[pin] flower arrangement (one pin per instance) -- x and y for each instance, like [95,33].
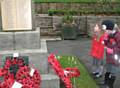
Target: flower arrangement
[15,71]
[64,74]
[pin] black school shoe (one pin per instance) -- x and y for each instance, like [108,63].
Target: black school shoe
[95,73]
[98,75]
[111,81]
[106,79]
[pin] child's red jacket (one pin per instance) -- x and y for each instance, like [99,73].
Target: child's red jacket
[97,47]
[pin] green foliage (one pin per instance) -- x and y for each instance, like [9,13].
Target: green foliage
[85,80]
[108,1]
[67,19]
[105,7]
[57,12]
[78,1]
[115,11]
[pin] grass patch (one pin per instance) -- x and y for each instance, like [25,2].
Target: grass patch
[85,80]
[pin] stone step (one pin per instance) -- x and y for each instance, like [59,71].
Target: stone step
[51,38]
[50,81]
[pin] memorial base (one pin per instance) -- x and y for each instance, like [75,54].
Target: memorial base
[28,43]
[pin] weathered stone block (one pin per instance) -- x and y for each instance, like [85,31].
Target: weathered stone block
[27,40]
[50,81]
[6,41]
[43,21]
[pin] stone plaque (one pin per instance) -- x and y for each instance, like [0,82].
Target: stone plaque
[16,15]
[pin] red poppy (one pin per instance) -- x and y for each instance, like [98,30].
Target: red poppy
[65,77]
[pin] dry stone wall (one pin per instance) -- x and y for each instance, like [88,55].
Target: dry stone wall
[84,24]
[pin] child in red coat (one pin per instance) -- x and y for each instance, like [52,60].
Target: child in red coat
[97,50]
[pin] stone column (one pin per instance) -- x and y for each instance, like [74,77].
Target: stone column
[0,18]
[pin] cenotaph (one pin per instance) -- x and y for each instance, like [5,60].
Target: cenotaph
[19,35]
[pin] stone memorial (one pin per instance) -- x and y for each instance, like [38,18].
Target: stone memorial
[16,15]
[18,36]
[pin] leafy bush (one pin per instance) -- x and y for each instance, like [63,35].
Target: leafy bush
[78,1]
[67,19]
[84,12]
[56,12]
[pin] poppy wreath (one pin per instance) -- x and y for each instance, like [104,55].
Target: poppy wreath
[8,71]
[13,61]
[12,64]
[64,74]
[72,72]
[7,83]
[23,76]
[55,64]
[8,79]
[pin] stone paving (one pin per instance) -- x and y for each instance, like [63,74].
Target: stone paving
[79,48]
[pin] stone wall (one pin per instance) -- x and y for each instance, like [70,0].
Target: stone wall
[45,23]
[84,24]
[92,20]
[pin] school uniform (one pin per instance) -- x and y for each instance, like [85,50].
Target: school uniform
[112,44]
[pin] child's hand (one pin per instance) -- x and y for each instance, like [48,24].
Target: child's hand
[109,50]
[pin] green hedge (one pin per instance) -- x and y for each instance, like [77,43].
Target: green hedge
[68,1]
[83,12]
